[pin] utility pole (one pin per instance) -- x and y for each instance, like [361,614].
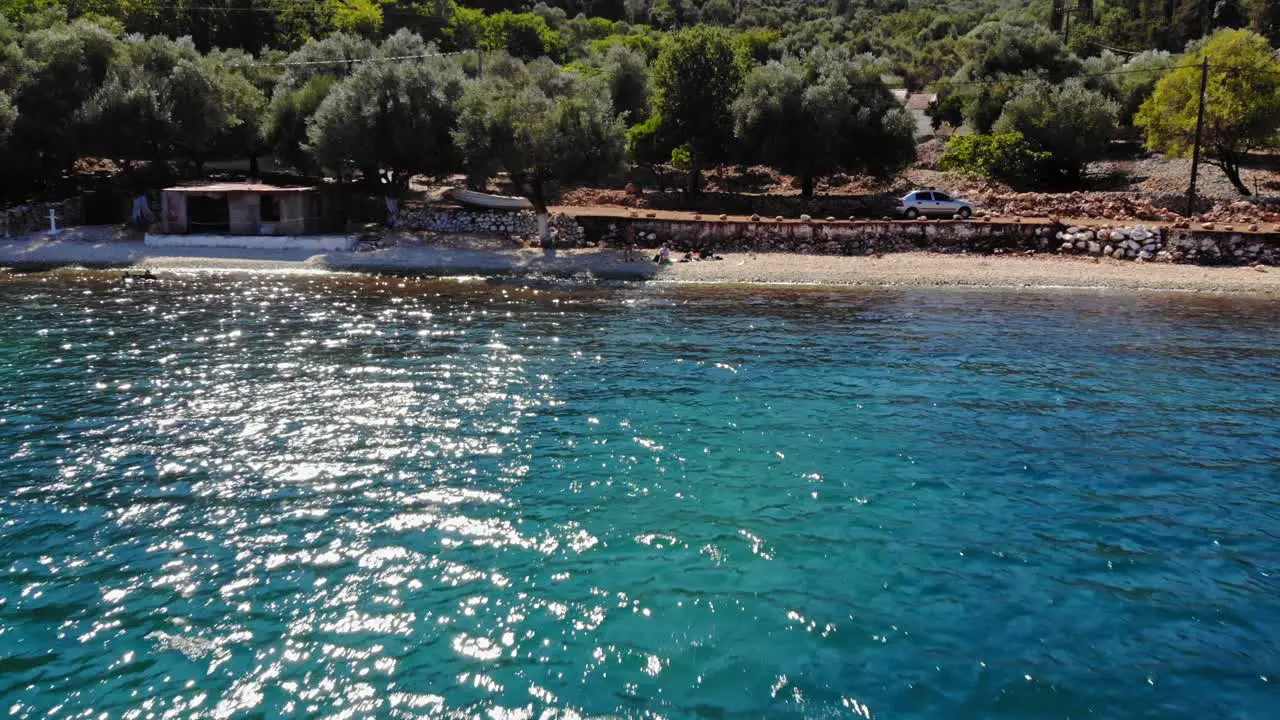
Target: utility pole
[1195,153]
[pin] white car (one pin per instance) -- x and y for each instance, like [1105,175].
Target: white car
[933,202]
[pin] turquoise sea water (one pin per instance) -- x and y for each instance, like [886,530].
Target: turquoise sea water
[320,496]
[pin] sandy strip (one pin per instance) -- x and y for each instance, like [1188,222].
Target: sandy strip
[902,269]
[937,270]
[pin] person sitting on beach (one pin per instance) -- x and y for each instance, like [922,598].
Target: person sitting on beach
[688,257]
[664,256]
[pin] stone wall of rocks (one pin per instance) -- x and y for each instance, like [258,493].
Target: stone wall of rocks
[824,237]
[1138,243]
[522,224]
[567,231]
[984,237]
[471,222]
[1220,248]
[22,219]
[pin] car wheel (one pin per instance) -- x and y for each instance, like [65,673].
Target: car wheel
[965,213]
[912,213]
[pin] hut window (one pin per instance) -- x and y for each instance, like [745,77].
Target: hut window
[269,210]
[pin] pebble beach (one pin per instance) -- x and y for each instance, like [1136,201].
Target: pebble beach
[898,269]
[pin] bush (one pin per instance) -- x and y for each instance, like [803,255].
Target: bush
[1006,157]
[1071,122]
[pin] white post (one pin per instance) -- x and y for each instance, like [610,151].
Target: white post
[543,222]
[53,222]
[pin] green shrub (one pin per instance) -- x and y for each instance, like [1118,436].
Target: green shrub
[1006,157]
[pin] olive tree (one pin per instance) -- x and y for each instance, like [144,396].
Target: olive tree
[1000,57]
[391,121]
[310,73]
[541,125]
[627,74]
[1069,121]
[203,103]
[825,114]
[696,79]
[62,67]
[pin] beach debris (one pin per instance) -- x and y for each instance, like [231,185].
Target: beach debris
[724,217]
[755,218]
[806,218]
[778,218]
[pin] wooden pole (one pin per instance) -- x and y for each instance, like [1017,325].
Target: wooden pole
[1195,153]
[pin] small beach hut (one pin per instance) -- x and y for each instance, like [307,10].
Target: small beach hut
[241,209]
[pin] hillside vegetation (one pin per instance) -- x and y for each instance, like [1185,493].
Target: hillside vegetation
[377,91]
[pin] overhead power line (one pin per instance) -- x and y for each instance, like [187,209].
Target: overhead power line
[350,61]
[1028,81]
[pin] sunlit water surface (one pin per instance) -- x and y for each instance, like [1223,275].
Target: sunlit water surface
[327,496]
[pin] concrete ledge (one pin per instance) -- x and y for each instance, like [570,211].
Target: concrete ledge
[310,243]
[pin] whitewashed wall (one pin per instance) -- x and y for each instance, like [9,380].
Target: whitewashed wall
[313,243]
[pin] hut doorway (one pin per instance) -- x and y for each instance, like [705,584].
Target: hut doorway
[208,214]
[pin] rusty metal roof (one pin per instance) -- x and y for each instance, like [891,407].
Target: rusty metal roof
[237,187]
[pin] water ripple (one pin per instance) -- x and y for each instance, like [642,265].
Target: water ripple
[336,496]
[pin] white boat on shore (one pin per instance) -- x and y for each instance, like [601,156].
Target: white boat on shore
[493,202]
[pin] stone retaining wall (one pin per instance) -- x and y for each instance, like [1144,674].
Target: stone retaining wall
[868,238]
[522,224]
[477,222]
[823,238]
[23,219]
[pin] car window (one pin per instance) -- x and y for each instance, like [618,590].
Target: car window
[942,197]
[924,196]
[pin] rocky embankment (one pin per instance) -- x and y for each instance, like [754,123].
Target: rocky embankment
[1174,245]
[829,237]
[1123,209]
[521,225]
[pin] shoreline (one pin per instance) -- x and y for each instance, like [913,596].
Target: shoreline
[909,269]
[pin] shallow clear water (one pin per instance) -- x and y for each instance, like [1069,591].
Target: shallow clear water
[320,496]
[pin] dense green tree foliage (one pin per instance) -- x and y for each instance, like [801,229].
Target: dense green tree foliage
[1127,81]
[541,125]
[1004,157]
[390,120]
[1242,103]
[1069,121]
[696,79]
[998,58]
[377,90]
[826,114]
